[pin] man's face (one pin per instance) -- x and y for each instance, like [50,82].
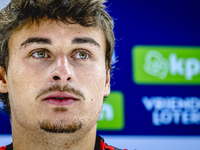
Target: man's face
[56,77]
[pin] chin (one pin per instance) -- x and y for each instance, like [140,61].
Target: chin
[60,127]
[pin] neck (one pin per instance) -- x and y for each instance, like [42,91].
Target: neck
[24,139]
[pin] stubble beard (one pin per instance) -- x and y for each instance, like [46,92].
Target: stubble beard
[60,127]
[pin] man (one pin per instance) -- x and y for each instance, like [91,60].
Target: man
[55,58]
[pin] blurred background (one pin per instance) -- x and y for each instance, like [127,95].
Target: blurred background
[155,98]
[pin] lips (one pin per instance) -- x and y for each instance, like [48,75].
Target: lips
[60,99]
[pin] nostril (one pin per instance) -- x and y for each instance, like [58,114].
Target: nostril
[56,77]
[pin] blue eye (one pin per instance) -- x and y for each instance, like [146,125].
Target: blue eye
[40,54]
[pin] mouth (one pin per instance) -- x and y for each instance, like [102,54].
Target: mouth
[60,99]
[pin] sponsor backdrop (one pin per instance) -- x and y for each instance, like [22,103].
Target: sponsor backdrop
[155,98]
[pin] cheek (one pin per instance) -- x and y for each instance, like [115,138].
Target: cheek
[21,89]
[16,77]
[93,84]
[92,78]
[21,80]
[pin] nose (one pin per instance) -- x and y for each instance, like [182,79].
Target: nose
[61,70]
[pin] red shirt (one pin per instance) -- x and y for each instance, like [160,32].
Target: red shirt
[3,148]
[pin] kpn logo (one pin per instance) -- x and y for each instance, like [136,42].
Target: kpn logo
[112,115]
[166,65]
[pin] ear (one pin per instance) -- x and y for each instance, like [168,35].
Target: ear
[107,84]
[3,81]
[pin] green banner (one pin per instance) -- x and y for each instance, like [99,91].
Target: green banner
[166,64]
[112,115]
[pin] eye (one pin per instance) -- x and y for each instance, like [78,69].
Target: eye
[81,55]
[40,54]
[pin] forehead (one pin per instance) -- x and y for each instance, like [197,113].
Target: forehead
[57,31]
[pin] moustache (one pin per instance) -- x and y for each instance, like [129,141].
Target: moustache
[58,88]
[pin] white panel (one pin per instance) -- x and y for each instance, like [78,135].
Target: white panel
[5,140]
[142,142]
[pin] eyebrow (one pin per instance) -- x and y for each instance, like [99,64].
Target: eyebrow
[84,40]
[38,40]
[76,40]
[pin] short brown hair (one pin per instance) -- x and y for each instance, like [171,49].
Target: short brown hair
[88,13]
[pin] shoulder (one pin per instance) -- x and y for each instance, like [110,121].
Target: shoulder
[3,147]
[101,145]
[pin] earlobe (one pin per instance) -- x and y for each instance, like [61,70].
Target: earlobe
[107,84]
[3,81]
